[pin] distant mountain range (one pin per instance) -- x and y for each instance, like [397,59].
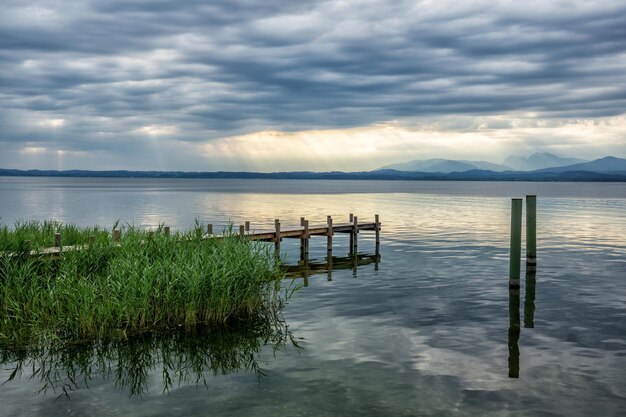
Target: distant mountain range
[604,169]
[606,164]
[446,165]
[538,160]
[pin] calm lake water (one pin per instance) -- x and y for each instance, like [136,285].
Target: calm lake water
[430,331]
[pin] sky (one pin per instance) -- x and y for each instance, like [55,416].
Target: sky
[200,85]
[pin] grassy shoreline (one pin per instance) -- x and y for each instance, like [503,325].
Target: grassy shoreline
[145,282]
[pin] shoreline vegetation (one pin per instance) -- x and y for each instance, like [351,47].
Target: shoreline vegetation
[146,282]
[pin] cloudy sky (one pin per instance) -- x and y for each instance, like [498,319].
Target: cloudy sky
[298,85]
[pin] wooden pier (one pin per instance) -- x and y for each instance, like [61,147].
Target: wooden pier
[304,232]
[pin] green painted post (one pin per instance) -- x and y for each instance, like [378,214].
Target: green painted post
[529,299]
[531,232]
[516,242]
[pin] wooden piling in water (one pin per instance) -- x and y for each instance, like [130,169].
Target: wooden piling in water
[329,237]
[377,227]
[302,240]
[529,299]
[355,233]
[351,220]
[116,235]
[247,224]
[306,240]
[209,229]
[277,238]
[531,232]
[57,240]
[516,242]
[242,230]
[166,230]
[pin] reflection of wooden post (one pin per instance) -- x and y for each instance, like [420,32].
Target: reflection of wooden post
[329,237]
[516,242]
[277,238]
[57,240]
[529,300]
[329,265]
[514,332]
[531,232]
[116,235]
[247,226]
[209,229]
[166,229]
[305,274]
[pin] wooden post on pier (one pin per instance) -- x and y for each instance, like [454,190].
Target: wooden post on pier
[306,240]
[116,235]
[516,242]
[377,227]
[351,219]
[247,226]
[57,240]
[329,237]
[166,229]
[302,240]
[531,232]
[209,229]
[277,238]
[355,233]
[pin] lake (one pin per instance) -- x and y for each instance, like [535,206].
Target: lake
[432,330]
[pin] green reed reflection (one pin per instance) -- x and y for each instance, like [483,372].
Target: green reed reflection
[182,356]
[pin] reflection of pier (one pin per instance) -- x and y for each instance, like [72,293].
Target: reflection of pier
[305,268]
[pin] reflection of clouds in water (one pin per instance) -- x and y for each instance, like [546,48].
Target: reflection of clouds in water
[377,340]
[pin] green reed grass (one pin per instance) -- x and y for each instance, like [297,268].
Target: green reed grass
[146,281]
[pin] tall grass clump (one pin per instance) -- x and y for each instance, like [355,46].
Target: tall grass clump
[147,281]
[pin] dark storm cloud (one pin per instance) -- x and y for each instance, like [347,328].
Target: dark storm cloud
[107,69]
